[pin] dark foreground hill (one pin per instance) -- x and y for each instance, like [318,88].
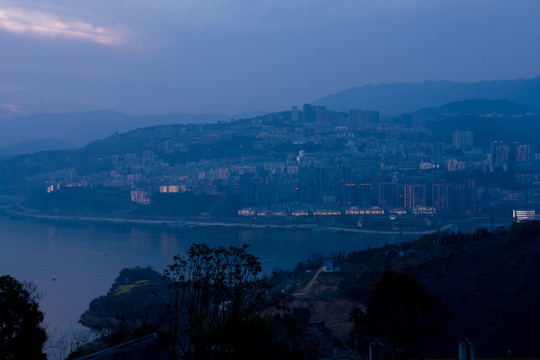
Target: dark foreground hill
[489,281]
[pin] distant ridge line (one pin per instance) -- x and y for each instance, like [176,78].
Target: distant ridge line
[397,98]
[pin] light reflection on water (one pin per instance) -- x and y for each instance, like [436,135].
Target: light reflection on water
[74,263]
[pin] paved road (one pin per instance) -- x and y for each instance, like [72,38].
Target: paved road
[306,289]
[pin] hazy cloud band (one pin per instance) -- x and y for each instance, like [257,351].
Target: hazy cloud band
[10,107]
[42,24]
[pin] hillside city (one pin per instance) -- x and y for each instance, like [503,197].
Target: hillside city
[308,164]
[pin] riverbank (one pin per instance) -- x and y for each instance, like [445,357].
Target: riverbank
[230,223]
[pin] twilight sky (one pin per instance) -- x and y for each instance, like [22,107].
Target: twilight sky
[229,56]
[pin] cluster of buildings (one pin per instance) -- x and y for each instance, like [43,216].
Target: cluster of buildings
[315,162]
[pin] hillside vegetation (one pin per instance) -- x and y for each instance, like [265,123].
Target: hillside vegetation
[489,280]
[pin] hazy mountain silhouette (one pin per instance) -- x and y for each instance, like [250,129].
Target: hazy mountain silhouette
[476,107]
[84,127]
[249,114]
[33,146]
[488,119]
[399,98]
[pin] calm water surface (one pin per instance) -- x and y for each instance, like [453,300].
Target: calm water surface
[74,263]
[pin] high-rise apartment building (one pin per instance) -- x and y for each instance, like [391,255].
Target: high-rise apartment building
[309,113]
[388,195]
[462,138]
[523,152]
[294,113]
[500,152]
[414,195]
[440,195]
[360,118]
[320,115]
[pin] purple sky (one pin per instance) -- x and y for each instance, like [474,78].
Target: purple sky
[229,56]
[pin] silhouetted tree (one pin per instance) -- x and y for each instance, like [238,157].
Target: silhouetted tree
[21,334]
[215,293]
[401,313]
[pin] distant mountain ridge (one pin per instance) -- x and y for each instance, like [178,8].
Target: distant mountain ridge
[476,107]
[433,98]
[489,120]
[83,127]
[397,98]
[33,146]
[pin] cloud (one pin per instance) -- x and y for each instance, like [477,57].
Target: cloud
[7,88]
[44,24]
[10,107]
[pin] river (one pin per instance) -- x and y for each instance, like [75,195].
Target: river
[72,263]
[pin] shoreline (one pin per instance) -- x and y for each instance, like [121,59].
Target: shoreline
[180,224]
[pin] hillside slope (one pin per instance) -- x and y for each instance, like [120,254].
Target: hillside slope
[489,280]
